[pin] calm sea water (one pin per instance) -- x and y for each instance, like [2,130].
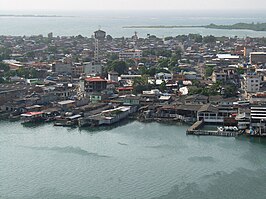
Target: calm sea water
[134,160]
[85,23]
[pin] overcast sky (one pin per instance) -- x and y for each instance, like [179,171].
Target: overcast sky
[132,5]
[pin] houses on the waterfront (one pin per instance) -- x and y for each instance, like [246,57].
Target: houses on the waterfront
[102,80]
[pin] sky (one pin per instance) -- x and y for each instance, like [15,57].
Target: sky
[132,5]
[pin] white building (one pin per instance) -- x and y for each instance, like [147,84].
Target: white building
[130,54]
[251,83]
[113,76]
[164,76]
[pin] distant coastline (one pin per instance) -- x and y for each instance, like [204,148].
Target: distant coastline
[237,26]
[13,15]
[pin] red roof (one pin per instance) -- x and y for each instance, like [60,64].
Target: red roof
[32,113]
[95,79]
[125,88]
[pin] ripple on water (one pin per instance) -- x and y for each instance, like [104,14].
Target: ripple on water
[202,159]
[68,149]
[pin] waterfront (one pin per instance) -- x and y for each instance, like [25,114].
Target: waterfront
[133,160]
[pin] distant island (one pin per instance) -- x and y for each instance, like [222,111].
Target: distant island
[242,26]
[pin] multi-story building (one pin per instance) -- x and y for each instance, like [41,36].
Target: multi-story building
[130,54]
[91,68]
[258,118]
[251,83]
[77,70]
[60,68]
[219,76]
[95,84]
[257,57]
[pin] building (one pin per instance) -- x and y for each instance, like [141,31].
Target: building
[113,76]
[257,57]
[219,76]
[209,113]
[66,105]
[100,34]
[95,84]
[258,119]
[163,76]
[77,70]
[251,83]
[92,69]
[191,75]
[60,68]
[196,99]
[130,54]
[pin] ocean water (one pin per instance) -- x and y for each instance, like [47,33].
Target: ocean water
[132,160]
[85,23]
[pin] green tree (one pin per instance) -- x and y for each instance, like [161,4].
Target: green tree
[4,67]
[209,39]
[163,86]
[230,90]
[119,66]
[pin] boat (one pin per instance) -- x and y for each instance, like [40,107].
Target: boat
[220,128]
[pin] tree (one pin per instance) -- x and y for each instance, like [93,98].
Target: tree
[230,90]
[209,71]
[163,86]
[140,84]
[4,67]
[112,56]
[209,39]
[109,38]
[130,62]
[119,66]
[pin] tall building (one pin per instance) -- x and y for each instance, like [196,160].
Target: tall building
[99,37]
[251,83]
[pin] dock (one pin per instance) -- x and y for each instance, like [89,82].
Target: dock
[195,130]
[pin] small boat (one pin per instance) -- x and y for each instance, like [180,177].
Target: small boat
[235,128]
[220,128]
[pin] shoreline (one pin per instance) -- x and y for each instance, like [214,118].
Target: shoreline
[237,26]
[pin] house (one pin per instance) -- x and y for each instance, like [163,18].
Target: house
[130,54]
[97,97]
[163,76]
[210,114]
[191,75]
[130,100]
[66,105]
[196,99]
